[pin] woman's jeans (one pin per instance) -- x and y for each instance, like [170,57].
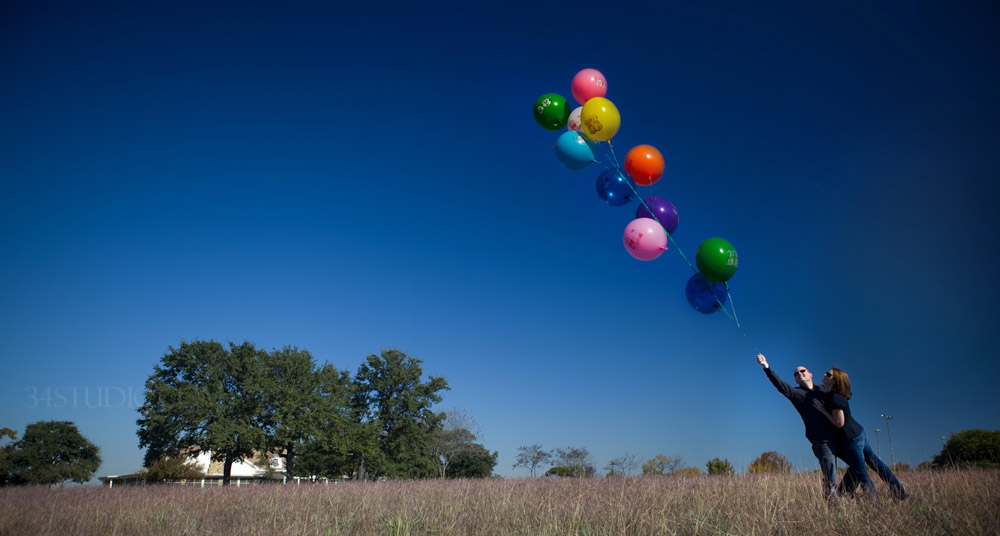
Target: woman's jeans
[848,485]
[853,453]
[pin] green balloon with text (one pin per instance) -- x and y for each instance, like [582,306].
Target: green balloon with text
[552,111]
[716,259]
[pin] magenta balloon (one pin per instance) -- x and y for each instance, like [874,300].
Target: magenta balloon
[645,239]
[587,84]
[663,209]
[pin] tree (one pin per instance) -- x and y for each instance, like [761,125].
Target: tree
[770,462]
[455,438]
[971,448]
[296,404]
[6,477]
[689,471]
[622,465]
[661,465]
[563,471]
[51,452]
[900,467]
[715,466]
[389,396]
[203,397]
[474,461]
[171,468]
[339,441]
[531,456]
[577,459]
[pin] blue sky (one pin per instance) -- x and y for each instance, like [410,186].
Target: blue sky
[349,179]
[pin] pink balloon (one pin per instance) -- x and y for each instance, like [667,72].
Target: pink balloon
[645,239]
[587,84]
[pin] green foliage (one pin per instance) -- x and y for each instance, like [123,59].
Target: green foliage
[337,443]
[302,402]
[455,441]
[473,461]
[770,462]
[971,448]
[6,476]
[578,459]
[661,465]
[900,467]
[563,471]
[238,400]
[717,466]
[689,471]
[531,456]
[621,466]
[171,468]
[51,452]
[203,397]
[389,397]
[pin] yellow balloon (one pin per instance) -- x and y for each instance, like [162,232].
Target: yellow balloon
[599,119]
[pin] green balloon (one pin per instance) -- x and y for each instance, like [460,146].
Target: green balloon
[716,259]
[551,111]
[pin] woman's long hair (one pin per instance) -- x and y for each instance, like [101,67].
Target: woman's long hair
[841,383]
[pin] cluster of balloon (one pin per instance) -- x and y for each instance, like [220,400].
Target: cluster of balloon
[597,120]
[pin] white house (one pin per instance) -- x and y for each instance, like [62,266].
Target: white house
[248,471]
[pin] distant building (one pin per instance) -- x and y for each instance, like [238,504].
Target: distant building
[267,468]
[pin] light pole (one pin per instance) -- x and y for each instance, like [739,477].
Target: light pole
[878,449]
[889,433]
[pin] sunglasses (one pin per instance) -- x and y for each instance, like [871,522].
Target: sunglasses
[827,375]
[802,371]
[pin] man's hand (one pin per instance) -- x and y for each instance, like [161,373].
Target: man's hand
[762,361]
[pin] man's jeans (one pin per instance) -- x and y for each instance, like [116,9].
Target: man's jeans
[827,465]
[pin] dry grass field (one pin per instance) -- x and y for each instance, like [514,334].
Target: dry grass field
[946,503]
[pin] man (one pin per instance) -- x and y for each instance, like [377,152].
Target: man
[807,399]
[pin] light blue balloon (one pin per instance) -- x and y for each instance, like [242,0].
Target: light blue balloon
[573,151]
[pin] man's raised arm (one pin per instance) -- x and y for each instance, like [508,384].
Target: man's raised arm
[779,384]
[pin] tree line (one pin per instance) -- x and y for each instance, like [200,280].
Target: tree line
[239,400]
[967,449]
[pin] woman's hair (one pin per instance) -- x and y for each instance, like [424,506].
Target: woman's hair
[841,383]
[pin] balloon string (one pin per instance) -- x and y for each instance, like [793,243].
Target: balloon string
[610,155]
[677,247]
[732,304]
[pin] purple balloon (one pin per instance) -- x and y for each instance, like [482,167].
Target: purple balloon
[660,209]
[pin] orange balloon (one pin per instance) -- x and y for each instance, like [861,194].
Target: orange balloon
[644,164]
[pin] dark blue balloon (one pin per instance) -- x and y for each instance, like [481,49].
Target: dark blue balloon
[661,210]
[615,187]
[702,294]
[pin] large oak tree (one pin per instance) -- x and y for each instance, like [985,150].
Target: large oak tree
[204,397]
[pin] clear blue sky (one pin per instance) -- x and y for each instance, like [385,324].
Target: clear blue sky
[351,179]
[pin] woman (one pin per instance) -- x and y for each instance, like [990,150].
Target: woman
[853,441]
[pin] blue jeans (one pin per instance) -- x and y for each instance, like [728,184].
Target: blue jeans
[827,465]
[848,484]
[853,453]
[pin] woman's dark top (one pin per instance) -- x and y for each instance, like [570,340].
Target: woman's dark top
[852,428]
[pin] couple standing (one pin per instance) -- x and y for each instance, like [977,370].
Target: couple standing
[833,432]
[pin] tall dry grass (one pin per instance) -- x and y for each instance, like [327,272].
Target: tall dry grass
[961,502]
